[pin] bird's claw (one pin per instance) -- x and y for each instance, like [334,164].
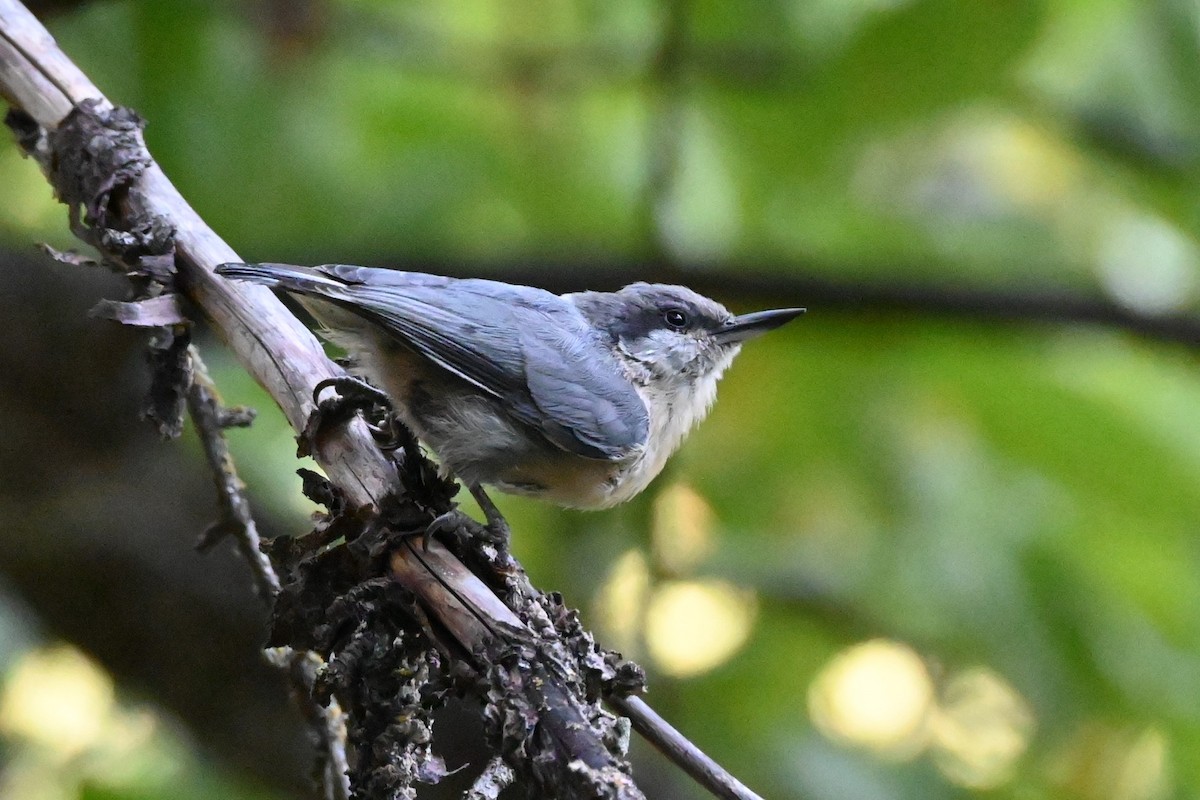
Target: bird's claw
[491,539]
[353,395]
[448,523]
[353,391]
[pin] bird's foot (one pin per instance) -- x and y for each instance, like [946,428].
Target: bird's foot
[475,543]
[353,395]
[448,523]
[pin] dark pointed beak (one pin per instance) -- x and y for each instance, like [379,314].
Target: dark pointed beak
[747,326]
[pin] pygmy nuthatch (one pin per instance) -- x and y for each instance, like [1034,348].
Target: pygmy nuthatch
[578,399]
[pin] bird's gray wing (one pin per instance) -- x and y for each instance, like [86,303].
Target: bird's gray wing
[528,348]
[578,386]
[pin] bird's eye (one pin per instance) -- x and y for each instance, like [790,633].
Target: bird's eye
[675,318]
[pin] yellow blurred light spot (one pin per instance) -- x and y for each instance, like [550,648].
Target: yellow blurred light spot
[621,599]
[58,699]
[1105,763]
[1027,165]
[982,727]
[694,626]
[30,778]
[682,529]
[876,695]
[1144,773]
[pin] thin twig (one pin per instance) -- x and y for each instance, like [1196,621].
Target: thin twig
[678,749]
[211,419]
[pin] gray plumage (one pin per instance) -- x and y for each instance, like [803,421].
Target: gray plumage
[578,398]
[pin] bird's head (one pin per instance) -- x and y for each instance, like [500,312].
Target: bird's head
[672,335]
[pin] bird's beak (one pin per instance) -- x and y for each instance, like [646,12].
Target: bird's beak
[747,326]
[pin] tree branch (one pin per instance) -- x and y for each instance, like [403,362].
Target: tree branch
[676,747]
[211,418]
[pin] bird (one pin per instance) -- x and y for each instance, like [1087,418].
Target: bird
[577,399]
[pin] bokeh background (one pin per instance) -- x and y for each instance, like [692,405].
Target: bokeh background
[937,540]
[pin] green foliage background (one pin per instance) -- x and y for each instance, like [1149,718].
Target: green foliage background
[1018,498]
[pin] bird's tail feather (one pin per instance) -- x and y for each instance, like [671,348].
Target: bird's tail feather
[303,280]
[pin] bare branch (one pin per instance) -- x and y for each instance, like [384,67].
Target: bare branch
[680,750]
[211,419]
